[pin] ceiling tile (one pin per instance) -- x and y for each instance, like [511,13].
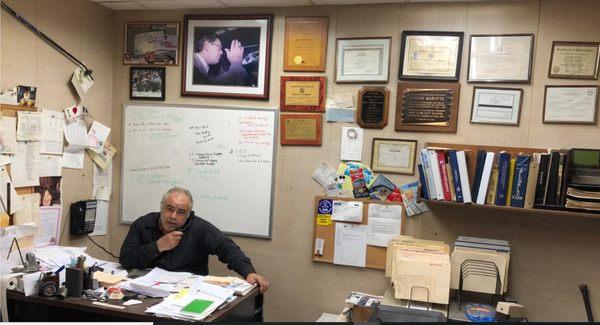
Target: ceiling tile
[180,4]
[352,2]
[122,5]
[267,3]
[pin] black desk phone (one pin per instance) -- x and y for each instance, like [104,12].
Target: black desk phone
[83,217]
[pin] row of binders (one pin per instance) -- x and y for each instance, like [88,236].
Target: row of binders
[555,179]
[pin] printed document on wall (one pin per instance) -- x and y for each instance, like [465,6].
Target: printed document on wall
[25,166]
[352,143]
[8,135]
[76,133]
[30,213]
[29,126]
[53,124]
[73,157]
[102,183]
[350,244]
[49,226]
[384,223]
[101,219]
[50,165]
[350,211]
[97,136]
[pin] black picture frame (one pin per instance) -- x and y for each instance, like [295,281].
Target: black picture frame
[143,83]
[403,75]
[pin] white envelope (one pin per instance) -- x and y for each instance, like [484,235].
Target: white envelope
[350,211]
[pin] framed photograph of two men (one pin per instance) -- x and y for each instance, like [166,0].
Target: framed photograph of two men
[227,56]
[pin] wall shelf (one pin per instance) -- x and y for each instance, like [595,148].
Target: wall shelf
[508,209]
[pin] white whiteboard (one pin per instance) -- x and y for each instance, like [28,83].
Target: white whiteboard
[224,156]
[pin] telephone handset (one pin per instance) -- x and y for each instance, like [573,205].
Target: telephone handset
[83,217]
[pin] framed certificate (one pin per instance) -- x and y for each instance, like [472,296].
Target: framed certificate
[571,104]
[396,156]
[362,59]
[305,46]
[302,94]
[500,58]
[430,55]
[301,129]
[496,105]
[427,106]
[574,60]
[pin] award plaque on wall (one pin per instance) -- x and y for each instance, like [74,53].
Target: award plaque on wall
[305,44]
[373,103]
[427,107]
[301,129]
[574,60]
[302,94]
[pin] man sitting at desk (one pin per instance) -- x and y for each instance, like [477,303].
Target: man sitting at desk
[177,240]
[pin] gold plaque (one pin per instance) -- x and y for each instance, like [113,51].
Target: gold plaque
[305,43]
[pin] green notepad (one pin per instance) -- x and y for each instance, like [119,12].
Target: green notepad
[197,306]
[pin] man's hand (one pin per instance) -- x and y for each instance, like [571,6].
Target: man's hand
[169,241]
[263,284]
[235,53]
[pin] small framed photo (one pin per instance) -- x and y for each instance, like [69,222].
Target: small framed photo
[147,83]
[227,56]
[305,45]
[151,43]
[574,60]
[363,59]
[496,105]
[500,58]
[302,94]
[396,156]
[571,104]
[430,55]
[301,129]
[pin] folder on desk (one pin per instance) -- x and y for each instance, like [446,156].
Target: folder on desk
[410,241]
[420,270]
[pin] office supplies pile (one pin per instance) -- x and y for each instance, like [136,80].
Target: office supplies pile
[187,296]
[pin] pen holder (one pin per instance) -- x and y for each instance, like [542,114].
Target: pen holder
[74,282]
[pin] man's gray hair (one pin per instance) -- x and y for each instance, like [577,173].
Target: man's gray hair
[177,189]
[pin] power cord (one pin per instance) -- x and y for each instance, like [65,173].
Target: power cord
[104,249]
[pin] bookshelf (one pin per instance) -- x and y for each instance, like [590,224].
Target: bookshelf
[471,165]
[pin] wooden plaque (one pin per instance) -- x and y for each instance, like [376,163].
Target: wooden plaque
[301,129]
[427,106]
[302,94]
[373,106]
[305,46]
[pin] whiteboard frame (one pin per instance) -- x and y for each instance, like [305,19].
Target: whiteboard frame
[236,108]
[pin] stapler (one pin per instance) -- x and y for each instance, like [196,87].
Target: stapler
[510,311]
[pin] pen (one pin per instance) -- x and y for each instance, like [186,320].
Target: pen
[59,270]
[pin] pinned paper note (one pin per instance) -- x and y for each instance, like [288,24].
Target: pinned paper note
[104,157]
[53,124]
[14,199]
[25,165]
[324,175]
[319,246]
[323,219]
[97,136]
[350,211]
[73,113]
[350,244]
[73,157]
[352,143]
[81,81]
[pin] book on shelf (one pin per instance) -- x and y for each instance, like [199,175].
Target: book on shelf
[457,183]
[540,188]
[564,183]
[511,175]
[478,172]
[551,179]
[464,176]
[436,175]
[492,187]
[503,175]
[441,159]
[534,168]
[518,192]
[451,181]
[423,181]
[485,177]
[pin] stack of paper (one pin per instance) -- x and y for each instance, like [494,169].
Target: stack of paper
[239,286]
[419,269]
[157,283]
[195,303]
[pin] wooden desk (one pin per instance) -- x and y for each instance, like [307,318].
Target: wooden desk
[37,309]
